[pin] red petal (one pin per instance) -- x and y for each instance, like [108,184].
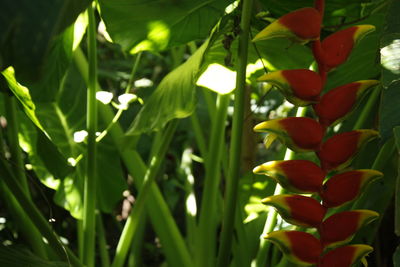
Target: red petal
[338,46]
[297,209]
[339,101]
[305,23]
[301,176]
[344,256]
[306,133]
[345,187]
[338,151]
[306,84]
[300,247]
[341,227]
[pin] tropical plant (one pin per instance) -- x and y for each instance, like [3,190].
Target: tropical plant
[127,133]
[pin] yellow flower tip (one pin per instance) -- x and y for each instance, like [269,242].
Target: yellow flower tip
[362,30]
[266,125]
[263,168]
[275,29]
[365,84]
[367,216]
[367,135]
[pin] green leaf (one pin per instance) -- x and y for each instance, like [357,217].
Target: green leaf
[27,29]
[17,256]
[396,132]
[173,98]
[160,24]
[390,56]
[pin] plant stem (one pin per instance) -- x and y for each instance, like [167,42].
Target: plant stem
[261,259]
[236,140]
[34,214]
[162,220]
[105,258]
[16,155]
[367,108]
[89,206]
[208,218]
[137,211]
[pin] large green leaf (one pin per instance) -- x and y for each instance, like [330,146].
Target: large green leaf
[27,29]
[173,98]
[17,256]
[396,257]
[390,57]
[157,25]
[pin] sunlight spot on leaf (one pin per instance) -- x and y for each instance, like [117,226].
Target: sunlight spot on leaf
[191,205]
[80,29]
[103,31]
[218,79]
[104,97]
[390,56]
[80,136]
[72,162]
[230,8]
[144,82]
[253,67]
[157,37]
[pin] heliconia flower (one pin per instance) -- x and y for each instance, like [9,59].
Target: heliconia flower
[301,248]
[301,87]
[301,25]
[345,256]
[298,133]
[297,209]
[338,102]
[340,228]
[300,176]
[345,187]
[338,151]
[338,46]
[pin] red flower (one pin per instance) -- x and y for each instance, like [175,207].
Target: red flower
[345,187]
[300,176]
[299,134]
[338,151]
[299,247]
[301,26]
[298,210]
[345,256]
[341,227]
[338,46]
[301,87]
[338,102]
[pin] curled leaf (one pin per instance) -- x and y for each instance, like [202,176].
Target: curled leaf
[341,227]
[301,87]
[338,46]
[345,187]
[297,209]
[338,102]
[345,256]
[339,150]
[301,25]
[300,176]
[297,133]
[301,248]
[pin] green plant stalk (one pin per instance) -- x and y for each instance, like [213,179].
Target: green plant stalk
[208,220]
[236,140]
[89,205]
[262,254]
[34,214]
[198,134]
[135,258]
[27,228]
[137,211]
[162,220]
[362,118]
[16,155]
[105,258]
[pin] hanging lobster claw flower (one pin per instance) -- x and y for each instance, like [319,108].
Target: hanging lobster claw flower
[334,105]
[345,187]
[340,228]
[338,46]
[345,256]
[338,151]
[299,176]
[297,209]
[301,248]
[297,133]
[301,25]
[300,87]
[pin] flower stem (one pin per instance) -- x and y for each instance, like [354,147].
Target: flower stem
[236,140]
[89,206]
